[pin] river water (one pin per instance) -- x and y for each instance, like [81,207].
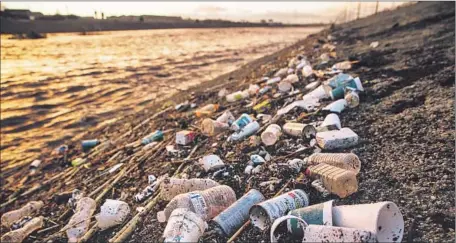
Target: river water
[54,88]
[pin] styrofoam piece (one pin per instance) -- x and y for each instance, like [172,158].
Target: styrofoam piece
[320,214]
[264,213]
[233,217]
[320,233]
[337,139]
[382,218]
[184,226]
[211,162]
[112,213]
[331,120]
[271,135]
[337,106]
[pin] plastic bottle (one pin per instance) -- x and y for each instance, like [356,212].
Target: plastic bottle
[172,187]
[79,222]
[30,208]
[248,130]
[20,234]
[347,161]
[184,226]
[338,181]
[155,136]
[206,204]
[207,110]
[239,95]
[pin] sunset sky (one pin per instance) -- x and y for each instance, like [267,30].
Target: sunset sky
[287,12]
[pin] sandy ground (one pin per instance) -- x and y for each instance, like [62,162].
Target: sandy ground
[405,122]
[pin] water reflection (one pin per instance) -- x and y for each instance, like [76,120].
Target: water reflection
[52,89]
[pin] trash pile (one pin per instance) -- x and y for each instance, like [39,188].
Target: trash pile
[269,153]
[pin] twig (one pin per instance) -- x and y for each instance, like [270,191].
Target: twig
[48,229]
[89,233]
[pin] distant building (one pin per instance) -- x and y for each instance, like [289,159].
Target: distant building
[147,18]
[20,14]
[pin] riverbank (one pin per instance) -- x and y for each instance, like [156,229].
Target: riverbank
[405,122]
[92,26]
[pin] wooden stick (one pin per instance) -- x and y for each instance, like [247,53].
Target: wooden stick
[240,230]
[47,229]
[89,233]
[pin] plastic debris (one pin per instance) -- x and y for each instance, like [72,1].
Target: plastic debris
[248,130]
[112,213]
[206,204]
[264,213]
[336,180]
[79,222]
[337,139]
[19,235]
[211,162]
[155,136]
[27,210]
[233,217]
[185,137]
[271,135]
[347,161]
[184,226]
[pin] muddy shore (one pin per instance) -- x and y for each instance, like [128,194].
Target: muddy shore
[405,121]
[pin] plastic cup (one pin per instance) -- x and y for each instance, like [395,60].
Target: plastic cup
[233,217]
[320,233]
[337,93]
[331,120]
[337,106]
[184,226]
[319,214]
[271,134]
[382,218]
[264,213]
